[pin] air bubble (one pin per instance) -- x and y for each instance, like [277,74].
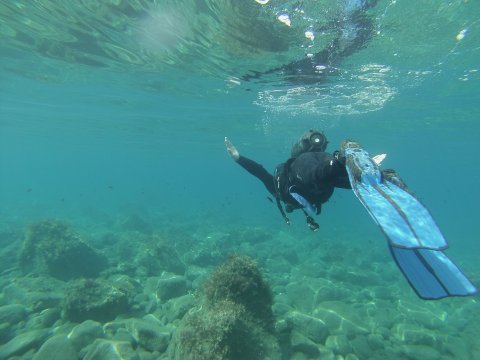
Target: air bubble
[309,35]
[284,18]
[461,35]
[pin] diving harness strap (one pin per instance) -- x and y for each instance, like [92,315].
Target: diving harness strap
[310,221]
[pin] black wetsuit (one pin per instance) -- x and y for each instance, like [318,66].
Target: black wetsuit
[313,175]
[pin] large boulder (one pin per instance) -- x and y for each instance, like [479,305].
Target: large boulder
[103,349]
[240,281]
[98,300]
[58,347]
[23,343]
[232,319]
[52,247]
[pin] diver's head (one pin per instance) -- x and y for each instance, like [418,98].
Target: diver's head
[318,140]
[312,140]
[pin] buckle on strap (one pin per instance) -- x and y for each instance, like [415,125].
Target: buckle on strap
[279,205]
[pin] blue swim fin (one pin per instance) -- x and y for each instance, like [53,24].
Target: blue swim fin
[431,273]
[414,238]
[403,219]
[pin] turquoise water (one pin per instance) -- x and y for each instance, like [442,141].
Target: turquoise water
[112,119]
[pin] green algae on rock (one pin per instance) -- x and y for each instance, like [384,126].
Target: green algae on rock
[233,318]
[52,247]
[239,280]
[98,300]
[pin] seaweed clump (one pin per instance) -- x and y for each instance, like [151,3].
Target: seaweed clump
[240,281]
[233,318]
[52,247]
[88,299]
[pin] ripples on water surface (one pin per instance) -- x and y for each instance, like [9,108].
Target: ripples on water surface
[324,57]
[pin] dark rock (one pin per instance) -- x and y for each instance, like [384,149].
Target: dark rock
[85,334]
[300,343]
[283,326]
[50,316]
[339,344]
[111,328]
[458,348]
[58,347]
[111,350]
[52,247]
[150,336]
[313,328]
[325,353]
[5,332]
[36,293]
[376,341]
[176,308]
[280,308]
[13,313]
[420,352]
[171,286]
[196,275]
[124,335]
[361,347]
[299,356]
[341,318]
[97,300]
[44,319]
[415,334]
[352,357]
[23,343]
[332,292]
[300,295]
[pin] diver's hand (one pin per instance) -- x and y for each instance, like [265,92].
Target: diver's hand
[232,150]
[339,156]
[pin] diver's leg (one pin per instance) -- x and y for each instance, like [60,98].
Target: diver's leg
[258,171]
[251,166]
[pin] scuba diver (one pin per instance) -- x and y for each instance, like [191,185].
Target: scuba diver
[306,180]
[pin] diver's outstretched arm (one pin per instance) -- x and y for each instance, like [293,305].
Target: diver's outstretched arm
[232,150]
[251,166]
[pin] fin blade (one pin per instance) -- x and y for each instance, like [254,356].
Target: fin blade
[402,218]
[431,273]
[418,217]
[391,222]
